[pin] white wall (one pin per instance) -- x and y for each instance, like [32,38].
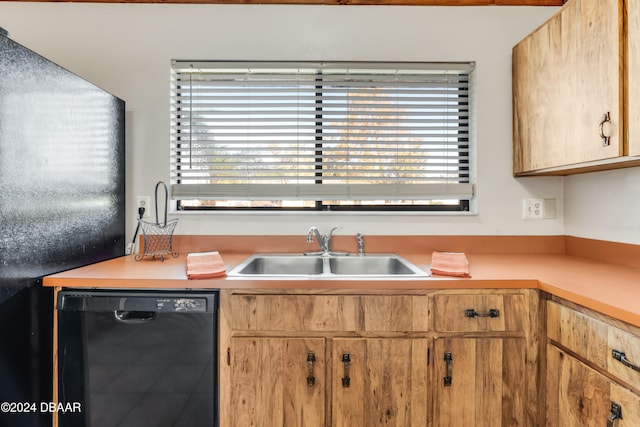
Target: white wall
[127,48]
[604,205]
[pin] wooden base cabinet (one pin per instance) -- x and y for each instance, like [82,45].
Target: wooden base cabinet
[281,382]
[579,396]
[479,382]
[295,358]
[485,358]
[379,382]
[593,376]
[277,381]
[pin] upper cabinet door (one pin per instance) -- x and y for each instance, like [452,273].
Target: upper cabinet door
[592,46]
[537,86]
[566,79]
[633,74]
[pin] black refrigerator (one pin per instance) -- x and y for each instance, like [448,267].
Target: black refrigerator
[61,207]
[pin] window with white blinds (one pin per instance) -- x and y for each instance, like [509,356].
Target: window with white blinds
[321,135]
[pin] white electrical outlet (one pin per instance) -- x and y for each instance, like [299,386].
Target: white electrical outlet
[533,209]
[143,202]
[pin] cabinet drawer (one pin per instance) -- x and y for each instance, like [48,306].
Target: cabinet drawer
[604,345]
[579,396]
[323,313]
[479,312]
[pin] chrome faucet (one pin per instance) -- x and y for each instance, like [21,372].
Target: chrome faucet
[323,240]
[327,238]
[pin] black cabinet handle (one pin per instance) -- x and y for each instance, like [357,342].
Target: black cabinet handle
[311,378]
[448,360]
[471,313]
[346,360]
[616,414]
[621,357]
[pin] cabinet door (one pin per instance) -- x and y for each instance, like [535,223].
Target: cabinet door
[537,85]
[479,382]
[578,396]
[384,382]
[270,385]
[633,74]
[566,78]
[592,48]
[602,345]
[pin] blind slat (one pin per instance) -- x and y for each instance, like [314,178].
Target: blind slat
[313,191]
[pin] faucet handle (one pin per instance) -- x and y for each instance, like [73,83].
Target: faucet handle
[310,234]
[328,235]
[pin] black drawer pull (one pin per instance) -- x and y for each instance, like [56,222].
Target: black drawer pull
[346,359]
[622,358]
[448,360]
[616,414]
[311,378]
[471,313]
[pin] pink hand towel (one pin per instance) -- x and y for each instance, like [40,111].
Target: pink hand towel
[450,264]
[205,265]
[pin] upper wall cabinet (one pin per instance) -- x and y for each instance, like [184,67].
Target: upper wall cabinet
[633,73]
[570,92]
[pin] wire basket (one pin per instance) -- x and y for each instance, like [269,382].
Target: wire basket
[157,239]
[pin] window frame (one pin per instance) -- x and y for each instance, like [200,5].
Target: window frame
[462,205]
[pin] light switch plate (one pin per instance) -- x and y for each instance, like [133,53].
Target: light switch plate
[549,209]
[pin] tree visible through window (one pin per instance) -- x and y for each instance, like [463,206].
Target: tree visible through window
[321,135]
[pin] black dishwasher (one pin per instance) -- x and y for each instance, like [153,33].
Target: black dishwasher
[136,358]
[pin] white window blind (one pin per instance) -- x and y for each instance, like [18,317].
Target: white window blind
[320,131]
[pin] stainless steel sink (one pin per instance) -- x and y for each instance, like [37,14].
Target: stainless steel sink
[280,265]
[373,265]
[326,267]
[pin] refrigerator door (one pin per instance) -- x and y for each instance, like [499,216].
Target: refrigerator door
[61,206]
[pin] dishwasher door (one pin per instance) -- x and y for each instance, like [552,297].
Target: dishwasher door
[137,359]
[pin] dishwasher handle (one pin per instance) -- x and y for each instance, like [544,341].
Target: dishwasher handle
[134,317]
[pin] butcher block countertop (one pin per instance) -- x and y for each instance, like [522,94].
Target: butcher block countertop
[602,276]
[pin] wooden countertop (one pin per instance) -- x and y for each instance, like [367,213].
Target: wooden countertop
[609,288]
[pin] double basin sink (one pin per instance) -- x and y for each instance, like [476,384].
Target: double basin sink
[327,266]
